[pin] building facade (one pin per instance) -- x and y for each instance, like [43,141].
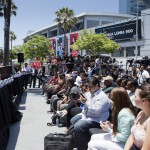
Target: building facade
[120,28]
[124,34]
[85,21]
[130,6]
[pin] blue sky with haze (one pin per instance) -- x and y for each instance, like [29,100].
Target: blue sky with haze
[36,14]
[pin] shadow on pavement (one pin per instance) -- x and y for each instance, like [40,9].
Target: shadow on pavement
[23,98]
[15,127]
[14,130]
[35,91]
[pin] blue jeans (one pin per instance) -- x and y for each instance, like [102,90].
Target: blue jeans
[81,131]
[75,118]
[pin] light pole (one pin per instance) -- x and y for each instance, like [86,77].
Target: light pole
[136,38]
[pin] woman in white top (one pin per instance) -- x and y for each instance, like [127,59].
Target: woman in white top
[138,131]
[146,144]
[123,118]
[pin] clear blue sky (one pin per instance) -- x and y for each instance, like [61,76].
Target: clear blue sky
[36,14]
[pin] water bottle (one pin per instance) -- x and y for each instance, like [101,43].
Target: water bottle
[57,121]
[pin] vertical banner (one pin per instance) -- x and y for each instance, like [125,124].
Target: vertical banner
[73,38]
[37,64]
[53,45]
[65,45]
[59,51]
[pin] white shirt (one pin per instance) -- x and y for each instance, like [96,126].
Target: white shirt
[98,61]
[96,107]
[132,97]
[142,76]
[26,69]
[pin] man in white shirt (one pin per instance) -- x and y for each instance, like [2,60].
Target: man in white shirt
[27,70]
[131,87]
[142,75]
[98,63]
[96,109]
[33,76]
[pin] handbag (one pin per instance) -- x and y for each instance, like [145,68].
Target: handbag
[58,141]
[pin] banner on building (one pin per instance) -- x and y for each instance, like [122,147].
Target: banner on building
[73,38]
[53,45]
[122,32]
[59,50]
[65,45]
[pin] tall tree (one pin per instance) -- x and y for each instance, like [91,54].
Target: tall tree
[7,9]
[37,47]
[66,20]
[95,43]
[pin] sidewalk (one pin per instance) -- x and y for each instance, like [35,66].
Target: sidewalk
[29,133]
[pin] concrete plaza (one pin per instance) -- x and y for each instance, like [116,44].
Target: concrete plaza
[29,133]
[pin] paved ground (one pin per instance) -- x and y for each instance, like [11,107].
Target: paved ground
[28,134]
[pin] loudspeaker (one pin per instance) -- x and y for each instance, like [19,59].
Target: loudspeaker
[20,57]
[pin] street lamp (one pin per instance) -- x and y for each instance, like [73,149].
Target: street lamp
[136,38]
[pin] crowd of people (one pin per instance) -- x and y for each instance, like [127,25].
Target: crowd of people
[93,93]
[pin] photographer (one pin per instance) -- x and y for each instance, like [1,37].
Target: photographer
[142,75]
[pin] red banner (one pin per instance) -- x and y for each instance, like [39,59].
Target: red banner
[36,64]
[73,38]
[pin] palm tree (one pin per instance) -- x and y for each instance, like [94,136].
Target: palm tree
[7,9]
[12,37]
[66,20]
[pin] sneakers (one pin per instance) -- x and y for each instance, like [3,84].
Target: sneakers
[44,95]
[48,101]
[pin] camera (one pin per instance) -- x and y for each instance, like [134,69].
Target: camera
[130,61]
[145,60]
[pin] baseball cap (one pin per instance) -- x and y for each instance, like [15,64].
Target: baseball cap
[108,78]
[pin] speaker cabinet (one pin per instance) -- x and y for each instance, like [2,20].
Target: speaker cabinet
[20,57]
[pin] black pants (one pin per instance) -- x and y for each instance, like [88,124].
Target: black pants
[26,80]
[72,110]
[33,79]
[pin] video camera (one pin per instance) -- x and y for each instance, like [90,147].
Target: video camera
[145,60]
[130,61]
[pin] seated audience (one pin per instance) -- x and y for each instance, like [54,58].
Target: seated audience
[123,118]
[73,89]
[138,131]
[96,109]
[142,75]
[146,144]
[131,87]
[124,83]
[108,84]
[118,81]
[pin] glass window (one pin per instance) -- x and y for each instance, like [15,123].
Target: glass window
[130,51]
[118,53]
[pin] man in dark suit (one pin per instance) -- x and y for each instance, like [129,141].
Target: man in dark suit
[33,76]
